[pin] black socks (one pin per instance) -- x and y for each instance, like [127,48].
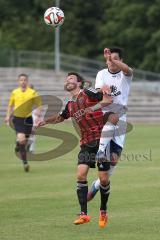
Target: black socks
[22,152]
[82,190]
[104,191]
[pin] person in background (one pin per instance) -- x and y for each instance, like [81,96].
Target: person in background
[21,104]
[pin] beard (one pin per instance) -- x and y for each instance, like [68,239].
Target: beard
[70,87]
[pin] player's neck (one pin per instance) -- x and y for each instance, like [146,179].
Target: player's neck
[23,89]
[75,92]
[113,71]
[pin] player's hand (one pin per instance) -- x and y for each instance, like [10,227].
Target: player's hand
[107,54]
[106,89]
[37,120]
[6,120]
[88,110]
[106,100]
[40,123]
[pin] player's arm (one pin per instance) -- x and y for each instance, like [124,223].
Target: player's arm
[121,65]
[99,96]
[10,108]
[124,67]
[99,84]
[56,118]
[9,114]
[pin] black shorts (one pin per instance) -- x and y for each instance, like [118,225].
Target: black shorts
[87,155]
[115,148]
[23,125]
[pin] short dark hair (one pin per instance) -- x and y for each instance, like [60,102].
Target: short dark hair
[23,75]
[117,50]
[79,78]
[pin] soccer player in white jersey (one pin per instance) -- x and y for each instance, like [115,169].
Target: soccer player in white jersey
[118,76]
[37,114]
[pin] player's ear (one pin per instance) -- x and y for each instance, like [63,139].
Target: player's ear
[80,84]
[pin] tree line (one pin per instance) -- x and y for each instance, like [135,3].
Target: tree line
[90,25]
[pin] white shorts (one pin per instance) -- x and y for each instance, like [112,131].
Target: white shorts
[120,131]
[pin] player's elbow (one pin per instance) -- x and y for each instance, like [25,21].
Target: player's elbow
[128,71]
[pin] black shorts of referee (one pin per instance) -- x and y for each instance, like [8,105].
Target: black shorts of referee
[23,125]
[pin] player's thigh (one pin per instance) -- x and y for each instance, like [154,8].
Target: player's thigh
[115,152]
[114,158]
[82,171]
[120,132]
[87,154]
[119,138]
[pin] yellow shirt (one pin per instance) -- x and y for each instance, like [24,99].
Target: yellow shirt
[23,102]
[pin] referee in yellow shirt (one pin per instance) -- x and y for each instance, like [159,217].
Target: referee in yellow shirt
[22,101]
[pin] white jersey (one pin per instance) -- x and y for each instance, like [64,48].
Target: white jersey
[119,84]
[42,114]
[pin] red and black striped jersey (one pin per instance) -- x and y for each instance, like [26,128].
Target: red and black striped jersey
[89,123]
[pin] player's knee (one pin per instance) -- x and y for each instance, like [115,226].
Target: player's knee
[104,181]
[113,118]
[114,159]
[81,177]
[22,141]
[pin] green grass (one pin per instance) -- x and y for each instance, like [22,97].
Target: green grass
[41,204]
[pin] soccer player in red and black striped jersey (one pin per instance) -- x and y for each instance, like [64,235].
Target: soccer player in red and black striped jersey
[90,124]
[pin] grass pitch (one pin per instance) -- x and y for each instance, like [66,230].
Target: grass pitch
[42,204]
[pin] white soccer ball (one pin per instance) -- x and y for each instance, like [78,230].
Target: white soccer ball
[54,17]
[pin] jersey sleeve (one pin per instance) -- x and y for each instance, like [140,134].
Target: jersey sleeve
[11,100]
[65,112]
[99,80]
[93,94]
[127,79]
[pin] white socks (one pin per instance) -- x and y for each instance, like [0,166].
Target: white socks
[97,184]
[106,135]
[110,172]
[32,140]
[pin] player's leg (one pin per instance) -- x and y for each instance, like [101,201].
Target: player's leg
[115,153]
[93,189]
[30,135]
[104,192]
[96,183]
[82,190]
[23,128]
[82,186]
[104,181]
[86,160]
[107,134]
[116,146]
[21,143]
[31,142]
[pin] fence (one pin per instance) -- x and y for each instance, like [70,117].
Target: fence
[46,60]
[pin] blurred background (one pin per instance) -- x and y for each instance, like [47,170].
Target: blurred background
[28,45]
[41,205]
